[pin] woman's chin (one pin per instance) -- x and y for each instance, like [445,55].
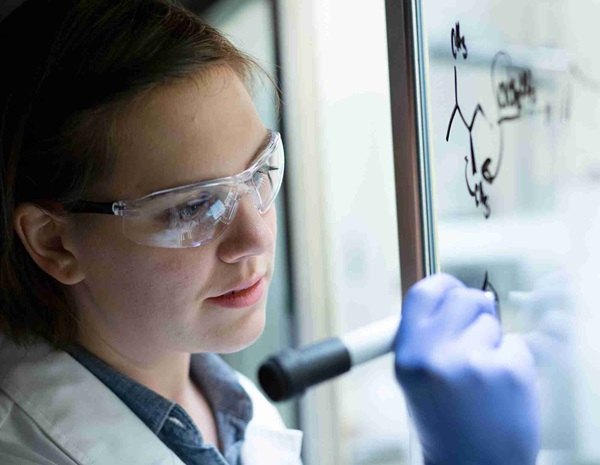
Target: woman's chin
[242,335]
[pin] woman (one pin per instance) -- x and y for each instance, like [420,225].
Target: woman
[141,110]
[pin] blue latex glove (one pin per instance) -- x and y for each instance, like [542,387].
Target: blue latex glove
[469,389]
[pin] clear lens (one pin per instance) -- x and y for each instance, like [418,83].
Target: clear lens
[268,178]
[194,216]
[181,220]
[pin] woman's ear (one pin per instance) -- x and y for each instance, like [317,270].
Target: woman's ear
[47,242]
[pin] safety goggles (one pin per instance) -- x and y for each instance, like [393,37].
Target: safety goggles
[192,215]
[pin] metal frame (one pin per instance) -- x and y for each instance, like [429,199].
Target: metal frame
[409,143]
[412,152]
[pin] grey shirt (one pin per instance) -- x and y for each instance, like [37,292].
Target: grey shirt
[230,404]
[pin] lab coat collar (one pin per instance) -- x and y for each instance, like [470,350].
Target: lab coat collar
[265,445]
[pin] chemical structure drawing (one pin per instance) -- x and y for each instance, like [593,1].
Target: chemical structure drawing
[473,179]
[513,89]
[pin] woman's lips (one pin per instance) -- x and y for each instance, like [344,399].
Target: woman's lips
[242,298]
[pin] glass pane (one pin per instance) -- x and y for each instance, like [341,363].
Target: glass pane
[512,100]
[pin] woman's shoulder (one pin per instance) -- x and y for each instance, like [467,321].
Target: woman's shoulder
[20,437]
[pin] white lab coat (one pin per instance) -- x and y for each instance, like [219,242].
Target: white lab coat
[53,411]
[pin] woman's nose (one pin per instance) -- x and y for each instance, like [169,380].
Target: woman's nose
[249,233]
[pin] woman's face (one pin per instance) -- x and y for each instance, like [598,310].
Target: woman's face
[139,298]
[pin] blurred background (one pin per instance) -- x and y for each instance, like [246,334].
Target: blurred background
[533,70]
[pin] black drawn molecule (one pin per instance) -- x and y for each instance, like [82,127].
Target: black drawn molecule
[475,188]
[513,89]
[515,95]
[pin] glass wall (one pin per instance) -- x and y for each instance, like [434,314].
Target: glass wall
[512,106]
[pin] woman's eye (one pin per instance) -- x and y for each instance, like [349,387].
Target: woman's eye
[191,210]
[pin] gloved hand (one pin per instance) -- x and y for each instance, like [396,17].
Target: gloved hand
[469,389]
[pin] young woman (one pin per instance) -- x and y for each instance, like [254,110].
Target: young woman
[138,230]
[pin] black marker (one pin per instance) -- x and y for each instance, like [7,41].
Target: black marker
[289,373]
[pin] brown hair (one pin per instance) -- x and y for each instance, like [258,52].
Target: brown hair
[59,102]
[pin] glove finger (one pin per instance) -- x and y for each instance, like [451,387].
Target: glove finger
[484,333]
[515,369]
[413,338]
[423,297]
[459,309]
